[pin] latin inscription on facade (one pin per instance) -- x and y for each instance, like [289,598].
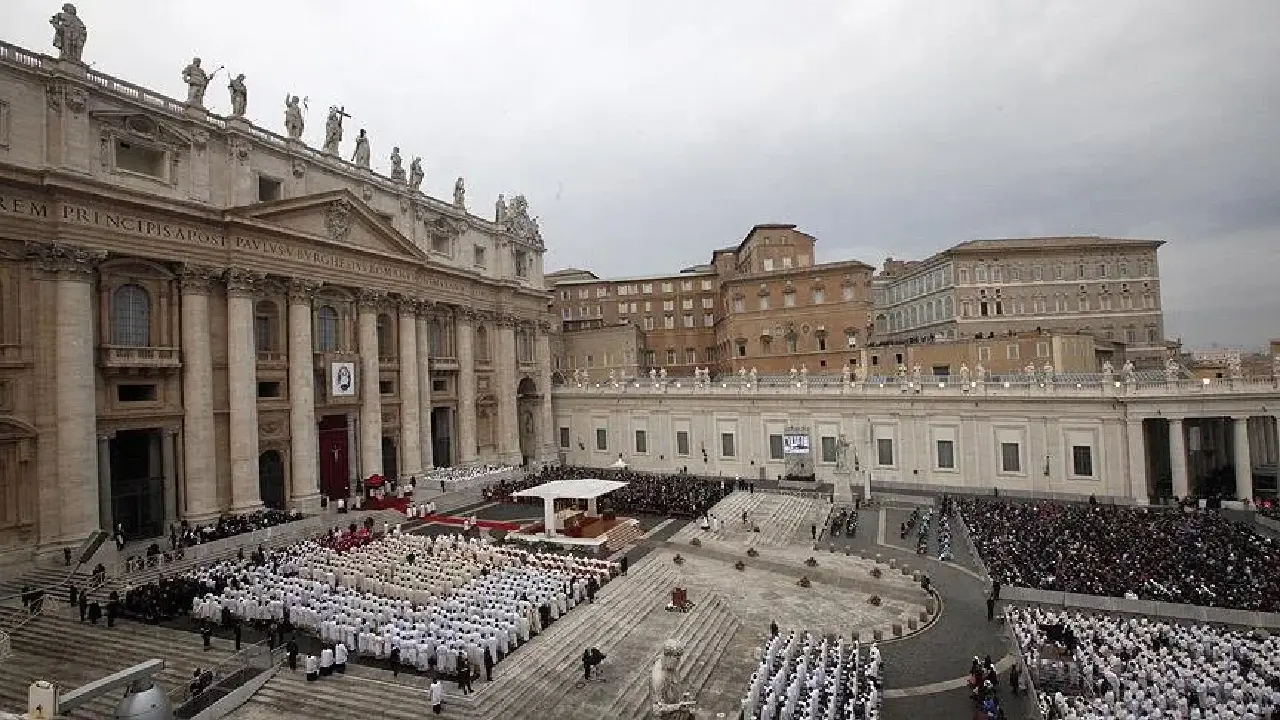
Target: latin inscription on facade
[161,230]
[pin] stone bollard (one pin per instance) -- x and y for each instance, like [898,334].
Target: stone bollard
[877,634]
[879,559]
[893,563]
[912,624]
[897,629]
[915,575]
[924,616]
[931,606]
[906,571]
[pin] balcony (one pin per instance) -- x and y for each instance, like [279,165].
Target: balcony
[127,358]
[268,359]
[444,363]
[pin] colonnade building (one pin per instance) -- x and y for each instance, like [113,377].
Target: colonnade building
[199,316]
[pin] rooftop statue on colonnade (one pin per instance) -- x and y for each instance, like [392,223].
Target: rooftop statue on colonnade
[69,34]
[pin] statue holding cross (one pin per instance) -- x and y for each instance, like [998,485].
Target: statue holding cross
[333,129]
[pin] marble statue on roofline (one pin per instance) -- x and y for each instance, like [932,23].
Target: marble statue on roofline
[416,174]
[239,95]
[460,194]
[293,120]
[361,156]
[333,129]
[397,165]
[197,81]
[69,33]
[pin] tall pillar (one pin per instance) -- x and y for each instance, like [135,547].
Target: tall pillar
[508,419]
[1137,449]
[75,399]
[242,381]
[169,466]
[1178,458]
[546,414]
[426,452]
[304,442]
[353,453]
[1275,441]
[1244,469]
[410,437]
[105,514]
[466,390]
[370,398]
[199,466]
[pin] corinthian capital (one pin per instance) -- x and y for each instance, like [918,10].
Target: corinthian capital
[302,291]
[371,299]
[65,260]
[197,279]
[241,282]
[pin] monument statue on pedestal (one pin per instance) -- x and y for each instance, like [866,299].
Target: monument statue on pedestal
[668,702]
[293,122]
[500,210]
[460,194]
[239,95]
[416,174]
[69,33]
[197,81]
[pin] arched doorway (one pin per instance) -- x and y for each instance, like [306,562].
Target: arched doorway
[271,479]
[528,405]
[334,464]
[389,457]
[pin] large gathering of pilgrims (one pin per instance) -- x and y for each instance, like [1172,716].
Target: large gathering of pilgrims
[800,676]
[646,493]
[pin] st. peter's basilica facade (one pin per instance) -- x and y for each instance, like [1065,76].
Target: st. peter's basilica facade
[199,315]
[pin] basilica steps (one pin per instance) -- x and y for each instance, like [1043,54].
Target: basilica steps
[52,579]
[706,634]
[373,693]
[783,519]
[623,536]
[70,654]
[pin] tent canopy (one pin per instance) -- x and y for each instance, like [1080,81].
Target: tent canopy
[580,489]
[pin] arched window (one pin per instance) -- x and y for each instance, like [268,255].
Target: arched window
[131,316]
[386,337]
[266,326]
[327,329]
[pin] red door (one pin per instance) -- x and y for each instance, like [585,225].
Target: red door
[333,457]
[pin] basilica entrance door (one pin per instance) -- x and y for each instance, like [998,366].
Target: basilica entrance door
[271,479]
[137,483]
[334,482]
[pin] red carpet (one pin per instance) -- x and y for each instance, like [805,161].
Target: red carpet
[387,503]
[486,524]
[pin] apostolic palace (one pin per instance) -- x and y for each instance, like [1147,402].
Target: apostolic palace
[199,315]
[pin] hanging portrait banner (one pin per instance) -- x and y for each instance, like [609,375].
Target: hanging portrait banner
[342,379]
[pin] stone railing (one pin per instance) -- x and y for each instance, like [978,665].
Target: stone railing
[1149,608]
[18,56]
[1084,387]
[136,93]
[123,356]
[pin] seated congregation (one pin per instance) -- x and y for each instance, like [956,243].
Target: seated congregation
[1195,557]
[1089,665]
[800,676]
[422,602]
[667,494]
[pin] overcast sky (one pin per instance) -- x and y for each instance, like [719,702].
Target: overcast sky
[645,134]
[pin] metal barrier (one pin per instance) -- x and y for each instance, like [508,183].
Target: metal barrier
[255,658]
[1149,608]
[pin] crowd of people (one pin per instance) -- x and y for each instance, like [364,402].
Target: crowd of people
[984,686]
[801,676]
[458,478]
[1136,667]
[844,522]
[184,534]
[1193,557]
[671,494]
[445,604]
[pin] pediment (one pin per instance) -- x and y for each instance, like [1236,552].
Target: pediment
[339,217]
[129,123]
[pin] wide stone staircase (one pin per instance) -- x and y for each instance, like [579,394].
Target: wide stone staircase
[623,535]
[70,654]
[783,519]
[52,578]
[543,670]
[705,632]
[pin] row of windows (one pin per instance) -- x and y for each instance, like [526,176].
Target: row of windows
[765,301]
[829,451]
[917,286]
[1062,303]
[1061,271]
[602,291]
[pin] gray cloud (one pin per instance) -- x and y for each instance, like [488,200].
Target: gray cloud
[647,134]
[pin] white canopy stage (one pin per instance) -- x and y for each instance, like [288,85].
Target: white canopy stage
[581,489]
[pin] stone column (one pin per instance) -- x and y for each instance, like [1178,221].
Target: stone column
[1244,468]
[466,389]
[74,397]
[370,398]
[426,452]
[353,453]
[169,466]
[242,381]
[304,442]
[546,415]
[410,437]
[105,512]
[1275,441]
[1137,449]
[200,473]
[1178,458]
[508,418]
